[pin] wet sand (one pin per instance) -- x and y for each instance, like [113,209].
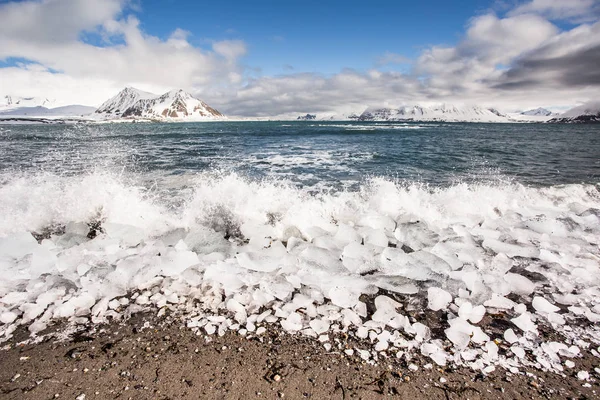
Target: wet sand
[166,361]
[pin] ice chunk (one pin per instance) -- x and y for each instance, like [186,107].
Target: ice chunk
[343,297]
[292,323]
[544,306]
[468,312]
[500,302]
[438,299]
[510,249]
[175,262]
[386,310]
[501,264]
[459,333]
[128,235]
[319,326]
[435,352]
[510,336]
[518,351]
[347,234]
[262,261]
[458,338]
[8,317]
[583,375]
[376,237]
[524,323]
[238,310]
[519,284]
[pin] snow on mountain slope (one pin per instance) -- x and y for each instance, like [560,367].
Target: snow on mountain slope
[442,112]
[588,112]
[176,104]
[539,112]
[117,105]
[10,102]
[65,111]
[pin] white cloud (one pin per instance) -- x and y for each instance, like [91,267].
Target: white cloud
[47,32]
[578,10]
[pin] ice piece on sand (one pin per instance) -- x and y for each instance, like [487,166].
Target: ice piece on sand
[261,262]
[319,326]
[583,375]
[343,297]
[386,310]
[175,262]
[238,309]
[438,299]
[511,250]
[544,306]
[8,317]
[519,284]
[292,323]
[510,336]
[524,323]
[435,352]
[473,314]
[518,351]
[498,301]
[458,338]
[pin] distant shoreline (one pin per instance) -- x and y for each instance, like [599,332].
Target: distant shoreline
[68,121]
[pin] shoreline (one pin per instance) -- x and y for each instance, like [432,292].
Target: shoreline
[156,357]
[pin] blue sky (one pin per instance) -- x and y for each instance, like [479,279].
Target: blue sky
[264,58]
[317,36]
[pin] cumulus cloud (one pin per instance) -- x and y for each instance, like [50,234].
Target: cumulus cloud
[570,60]
[48,32]
[576,10]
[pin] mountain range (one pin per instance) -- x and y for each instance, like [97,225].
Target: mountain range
[178,105]
[541,112]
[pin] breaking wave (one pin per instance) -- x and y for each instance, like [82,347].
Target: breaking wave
[89,247]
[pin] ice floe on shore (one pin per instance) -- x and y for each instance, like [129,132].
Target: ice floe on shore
[475,275]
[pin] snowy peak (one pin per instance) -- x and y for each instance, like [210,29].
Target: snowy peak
[586,113]
[176,104]
[442,112]
[538,112]
[126,98]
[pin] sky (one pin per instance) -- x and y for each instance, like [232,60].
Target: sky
[266,58]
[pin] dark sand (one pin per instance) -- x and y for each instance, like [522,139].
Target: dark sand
[126,361]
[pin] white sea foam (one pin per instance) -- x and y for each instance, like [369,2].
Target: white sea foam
[250,247]
[371,127]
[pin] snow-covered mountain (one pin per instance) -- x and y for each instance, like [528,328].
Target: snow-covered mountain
[132,103]
[442,112]
[539,112]
[588,112]
[9,102]
[33,112]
